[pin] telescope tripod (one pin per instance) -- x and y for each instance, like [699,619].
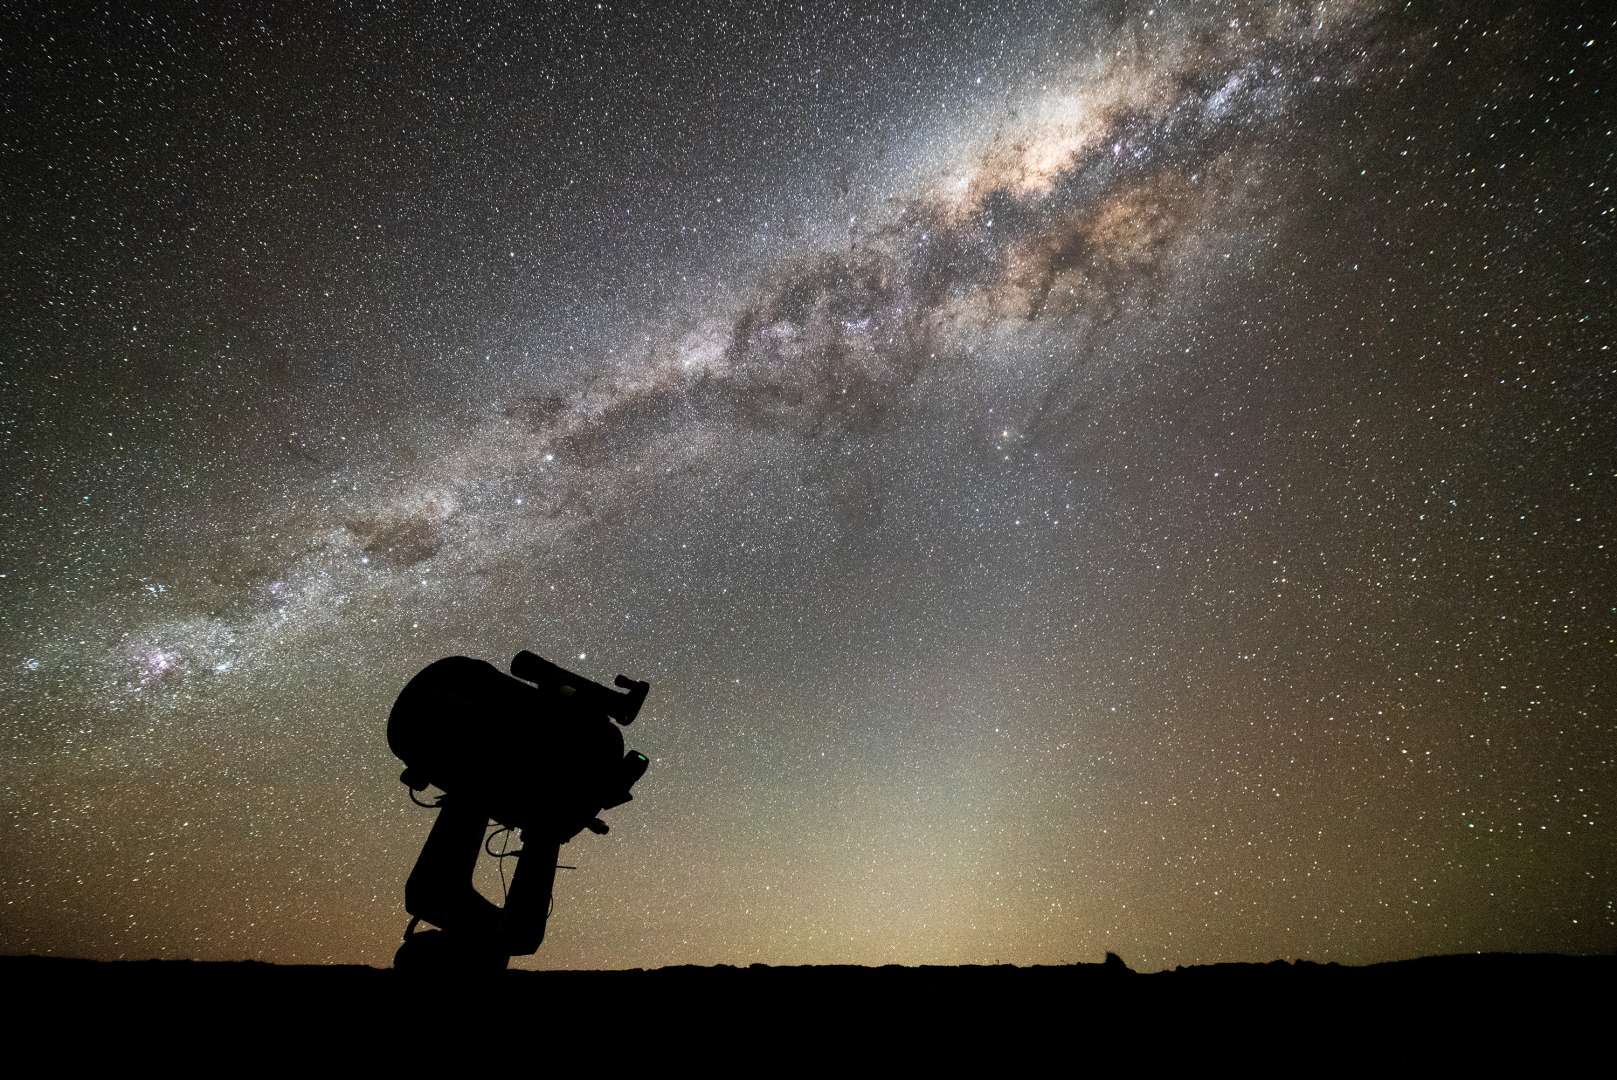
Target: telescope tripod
[474,933]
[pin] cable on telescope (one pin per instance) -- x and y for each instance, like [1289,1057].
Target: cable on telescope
[506,831]
[499,860]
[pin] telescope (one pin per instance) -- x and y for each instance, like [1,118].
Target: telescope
[539,752]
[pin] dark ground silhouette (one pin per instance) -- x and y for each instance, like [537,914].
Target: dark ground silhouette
[1471,1006]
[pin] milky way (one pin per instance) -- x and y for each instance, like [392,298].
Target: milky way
[1110,478]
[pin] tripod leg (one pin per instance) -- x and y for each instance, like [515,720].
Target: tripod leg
[528,904]
[440,888]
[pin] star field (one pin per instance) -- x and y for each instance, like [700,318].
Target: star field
[1077,478]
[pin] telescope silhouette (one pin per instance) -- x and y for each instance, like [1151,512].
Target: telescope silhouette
[535,751]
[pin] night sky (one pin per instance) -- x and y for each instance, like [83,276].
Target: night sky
[1106,477]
